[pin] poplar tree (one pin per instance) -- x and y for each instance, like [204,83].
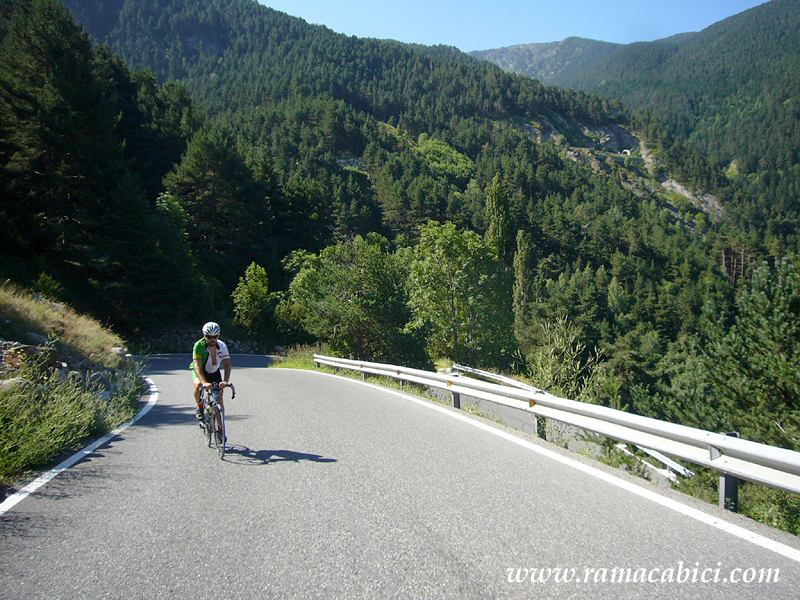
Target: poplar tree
[251,299]
[523,282]
[353,296]
[499,234]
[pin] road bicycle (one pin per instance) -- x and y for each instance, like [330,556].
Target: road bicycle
[213,422]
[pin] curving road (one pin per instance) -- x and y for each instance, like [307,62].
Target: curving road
[336,489]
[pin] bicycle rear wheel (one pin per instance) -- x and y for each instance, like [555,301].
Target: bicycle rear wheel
[219,433]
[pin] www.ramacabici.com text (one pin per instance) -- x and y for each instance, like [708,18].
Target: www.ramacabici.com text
[679,573]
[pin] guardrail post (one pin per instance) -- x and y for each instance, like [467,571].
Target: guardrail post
[541,427]
[729,488]
[456,396]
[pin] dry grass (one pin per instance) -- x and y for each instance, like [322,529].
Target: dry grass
[72,333]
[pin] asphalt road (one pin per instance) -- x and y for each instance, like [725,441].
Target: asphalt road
[336,489]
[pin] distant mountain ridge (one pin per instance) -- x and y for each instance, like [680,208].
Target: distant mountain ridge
[549,62]
[562,63]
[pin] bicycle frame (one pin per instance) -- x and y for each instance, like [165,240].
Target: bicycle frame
[214,418]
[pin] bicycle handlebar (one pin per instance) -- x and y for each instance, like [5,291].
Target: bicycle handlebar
[215,387]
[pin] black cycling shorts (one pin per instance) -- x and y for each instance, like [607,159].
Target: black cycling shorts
[215,377]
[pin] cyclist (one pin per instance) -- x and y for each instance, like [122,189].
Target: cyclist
[209,354]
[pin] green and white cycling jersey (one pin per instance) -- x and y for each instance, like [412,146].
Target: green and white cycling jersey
[201,351]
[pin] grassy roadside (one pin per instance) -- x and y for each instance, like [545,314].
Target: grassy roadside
[63,378]
[302,357]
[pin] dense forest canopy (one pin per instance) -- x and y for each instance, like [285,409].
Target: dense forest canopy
[396,202]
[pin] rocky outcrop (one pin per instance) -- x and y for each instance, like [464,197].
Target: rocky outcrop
[612,138]
[708,203]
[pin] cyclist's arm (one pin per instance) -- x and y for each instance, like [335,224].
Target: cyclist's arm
[226,364]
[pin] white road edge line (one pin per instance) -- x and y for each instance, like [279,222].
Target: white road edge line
[34,485]
[736,530]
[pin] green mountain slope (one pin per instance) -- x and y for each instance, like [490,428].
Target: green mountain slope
[281,82]
[255,54]
[731,92]
[741,71]
[355,136]
[361,136]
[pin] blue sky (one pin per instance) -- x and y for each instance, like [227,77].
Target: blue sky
[484,24]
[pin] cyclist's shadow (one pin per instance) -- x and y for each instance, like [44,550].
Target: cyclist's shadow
[243,455]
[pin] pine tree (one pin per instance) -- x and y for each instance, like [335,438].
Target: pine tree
[227,206]
[755,366]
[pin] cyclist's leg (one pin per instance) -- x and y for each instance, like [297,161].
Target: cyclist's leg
[220,418]
[220,427]
[219,432]
[206,418]
[197,389]
[216,377]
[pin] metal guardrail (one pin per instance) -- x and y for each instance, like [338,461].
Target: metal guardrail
[671,464]
[732,457]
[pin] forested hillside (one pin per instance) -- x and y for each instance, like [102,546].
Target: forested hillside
[310,102]
[398,203]
[731,93]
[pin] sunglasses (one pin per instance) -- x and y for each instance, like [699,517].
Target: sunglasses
[212,337]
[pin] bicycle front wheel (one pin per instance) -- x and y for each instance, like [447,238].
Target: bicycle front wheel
[219,433]
[208,423]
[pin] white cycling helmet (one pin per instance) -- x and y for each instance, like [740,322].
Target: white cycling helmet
[211,328]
